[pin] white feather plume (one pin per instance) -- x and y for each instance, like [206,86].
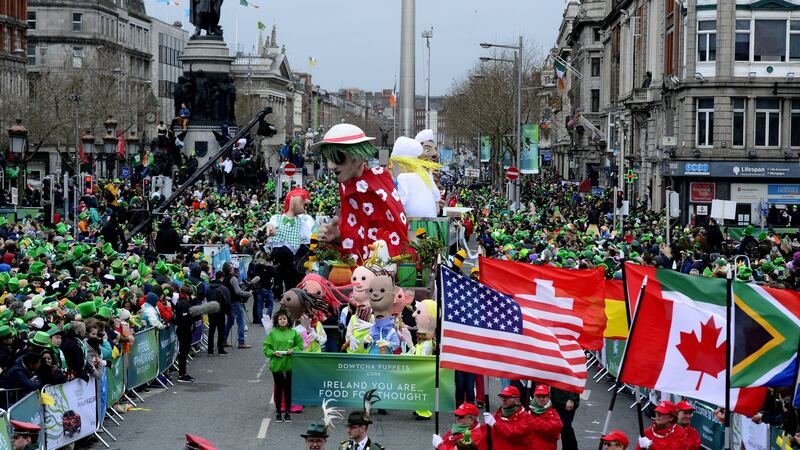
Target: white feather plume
[330,413]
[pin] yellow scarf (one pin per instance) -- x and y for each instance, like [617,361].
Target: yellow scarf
[418,166]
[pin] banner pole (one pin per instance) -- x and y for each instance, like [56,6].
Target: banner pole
[437,352]
[728,314]
[617,384]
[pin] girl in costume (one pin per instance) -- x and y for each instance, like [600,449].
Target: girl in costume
[278,346]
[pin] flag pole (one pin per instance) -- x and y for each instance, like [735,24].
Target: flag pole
[639,395]
[728,314]
[617,384]
[437,351]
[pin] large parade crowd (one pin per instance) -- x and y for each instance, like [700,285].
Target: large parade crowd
[72,300]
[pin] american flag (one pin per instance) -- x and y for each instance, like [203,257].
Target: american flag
[488,333]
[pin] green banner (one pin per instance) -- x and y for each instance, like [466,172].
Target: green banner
[402,382]
[167,348]
[27,410]
[712,433]
[486,148]
[5,439]
[116,380]
[613,349]
[529,153]
[143,358]
[738,233]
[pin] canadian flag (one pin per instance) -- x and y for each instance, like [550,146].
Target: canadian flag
[569,302]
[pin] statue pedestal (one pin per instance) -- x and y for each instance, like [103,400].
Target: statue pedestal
[207,88]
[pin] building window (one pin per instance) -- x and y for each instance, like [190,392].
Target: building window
[770,40]
[595,100]
[31,55]
[705,122]
[595,67]
[596,34]
[31,20]
[796,123]
[77,57]
[739,114]
[794,40]
[707,40]
[77,21]
[768,122]
[742,48]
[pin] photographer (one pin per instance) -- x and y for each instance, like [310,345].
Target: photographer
[238,299]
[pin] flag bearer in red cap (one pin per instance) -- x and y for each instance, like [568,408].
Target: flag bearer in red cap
[546,421]
[511,426]
[685,413]
[665,433]
[466,432]
[616,440]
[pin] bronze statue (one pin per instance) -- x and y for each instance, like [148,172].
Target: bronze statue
[204,15]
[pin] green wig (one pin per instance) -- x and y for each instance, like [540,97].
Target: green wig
[361,151]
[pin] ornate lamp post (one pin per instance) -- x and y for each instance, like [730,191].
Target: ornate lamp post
[109,143]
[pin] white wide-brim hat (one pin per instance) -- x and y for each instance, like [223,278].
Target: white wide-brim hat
[424,136]
[405,146]
[343,133]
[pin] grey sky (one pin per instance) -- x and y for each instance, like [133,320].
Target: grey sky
[356,42]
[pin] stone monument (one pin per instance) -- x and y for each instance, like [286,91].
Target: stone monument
[206,87]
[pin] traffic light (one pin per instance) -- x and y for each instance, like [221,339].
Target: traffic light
[87,184]
[620,195]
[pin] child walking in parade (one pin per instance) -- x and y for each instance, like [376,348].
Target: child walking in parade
[280,343]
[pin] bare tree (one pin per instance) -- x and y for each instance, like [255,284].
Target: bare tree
[484,103]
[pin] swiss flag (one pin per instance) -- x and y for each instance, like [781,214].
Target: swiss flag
[570,302]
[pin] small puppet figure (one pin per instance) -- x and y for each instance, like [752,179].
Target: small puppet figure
[402,299]
[425,315]
[383,337]
[308,312]
[357,318]
[418,192]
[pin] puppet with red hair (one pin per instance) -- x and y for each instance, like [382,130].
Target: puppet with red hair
[294,227]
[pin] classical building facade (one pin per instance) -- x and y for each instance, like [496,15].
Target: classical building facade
[13,47]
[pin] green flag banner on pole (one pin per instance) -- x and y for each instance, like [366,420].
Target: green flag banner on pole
[486,148]
[530,149]
[402,382]
[261,25]
[243,2]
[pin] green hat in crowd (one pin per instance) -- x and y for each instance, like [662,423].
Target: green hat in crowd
[87,309]
[54,330]
[13,284]
[105,312]
[5,331]
[40,338]
[745,273]
[28,316]
[748,230]
[36,269]
[161,268]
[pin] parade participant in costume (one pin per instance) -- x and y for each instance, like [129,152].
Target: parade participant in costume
[466,432]
[546,422]
[25,435]
[308,311]
[665,433]
[685,413]
[294,227]
[616,440]
[317,434]
[512,426]
[383,337]
[418,193]
[370,204]
[319,286]
[358,427]
[278,346]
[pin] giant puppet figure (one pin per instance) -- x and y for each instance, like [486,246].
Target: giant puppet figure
[370,204]
[290,234]
[383,337]
[418,192]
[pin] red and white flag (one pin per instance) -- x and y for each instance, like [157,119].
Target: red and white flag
[486,332]
[570,302]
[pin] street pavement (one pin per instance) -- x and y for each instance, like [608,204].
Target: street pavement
[230,404]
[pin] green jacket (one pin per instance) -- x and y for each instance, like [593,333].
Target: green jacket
[281,339]
[559,396]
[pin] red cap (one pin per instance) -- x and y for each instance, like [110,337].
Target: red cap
[199,443]
[666,407]
[467,409]
[683,405]
[542,389]
[616,435]
[509,391]
[25,427]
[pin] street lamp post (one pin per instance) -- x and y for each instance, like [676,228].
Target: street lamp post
[18,135]
[518,49]
[109,143]
[428,35]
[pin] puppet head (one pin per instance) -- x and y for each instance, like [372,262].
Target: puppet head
[299,302]
[295,202]
[425,315]
[401,299]
[320,287]
[428,141]
[346,148]
[362,276]
[407,158]
[381,295]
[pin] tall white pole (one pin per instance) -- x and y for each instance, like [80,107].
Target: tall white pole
[519,122]
[428,34]
[407,89]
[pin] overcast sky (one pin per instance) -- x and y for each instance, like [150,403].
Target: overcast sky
[356,43]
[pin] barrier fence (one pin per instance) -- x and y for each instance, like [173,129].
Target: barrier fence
[74,410]
[712,433]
